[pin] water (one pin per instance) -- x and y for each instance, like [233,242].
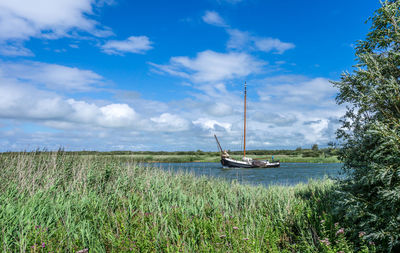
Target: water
[286,174]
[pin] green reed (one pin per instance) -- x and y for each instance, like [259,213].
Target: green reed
[52,202]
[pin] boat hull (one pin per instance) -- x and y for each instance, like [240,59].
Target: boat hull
[231,163]
[235,164]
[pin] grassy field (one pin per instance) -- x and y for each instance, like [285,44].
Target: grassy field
[52,202]
[216,158]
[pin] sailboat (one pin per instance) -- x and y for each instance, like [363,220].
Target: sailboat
[246,162]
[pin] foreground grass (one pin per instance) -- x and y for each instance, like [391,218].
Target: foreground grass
[53,202]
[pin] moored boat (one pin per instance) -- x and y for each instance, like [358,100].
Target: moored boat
[246,162]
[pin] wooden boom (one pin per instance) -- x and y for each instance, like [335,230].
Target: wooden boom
[219,145]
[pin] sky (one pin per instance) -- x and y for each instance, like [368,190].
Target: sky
[168,75]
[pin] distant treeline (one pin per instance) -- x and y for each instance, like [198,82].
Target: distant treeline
[313,152]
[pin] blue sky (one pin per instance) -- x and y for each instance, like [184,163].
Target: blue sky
[167,75]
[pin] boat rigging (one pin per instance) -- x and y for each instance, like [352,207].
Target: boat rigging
[246,162]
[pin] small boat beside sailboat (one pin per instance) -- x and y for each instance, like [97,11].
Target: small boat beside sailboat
[246,162]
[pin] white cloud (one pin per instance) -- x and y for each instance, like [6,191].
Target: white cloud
[80,112]
[238,39]
[24,102]
[242,40]
[53,76]
[213,18]
[271,44]
[14,49]
[210,124]
[220,109]
[133,44]
[117,115]
[210,66]
[295,110]
[245,41]
[22,19]
[290,111]
[170,123]
[300,91]
[20,98]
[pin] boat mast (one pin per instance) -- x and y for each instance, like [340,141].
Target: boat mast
[244,135]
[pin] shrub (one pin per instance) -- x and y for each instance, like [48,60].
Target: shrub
[370,134]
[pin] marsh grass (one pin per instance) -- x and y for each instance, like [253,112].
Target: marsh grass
[52,202]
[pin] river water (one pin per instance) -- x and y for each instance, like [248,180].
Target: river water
[286,174]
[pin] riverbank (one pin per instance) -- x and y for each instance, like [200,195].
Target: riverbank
[216,158]
[57,202]
[286,156]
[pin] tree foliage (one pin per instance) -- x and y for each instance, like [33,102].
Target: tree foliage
[370,133]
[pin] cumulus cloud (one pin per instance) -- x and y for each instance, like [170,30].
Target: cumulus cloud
[28,103]
[210,124]
[289,111]
[244,40]
[278,118]
[53,76]
[295,110]
[21,99]
[133,44]
[170,123]
[213,18]
[299,91]
[25,102]
[22,19]
[271,44]
[275,122]
[117,115]
[210,66]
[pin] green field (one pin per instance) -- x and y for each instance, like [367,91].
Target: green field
[52,202]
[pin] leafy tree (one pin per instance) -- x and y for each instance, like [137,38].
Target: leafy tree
[331,149]
[310,153]
[370,133]
[314,147]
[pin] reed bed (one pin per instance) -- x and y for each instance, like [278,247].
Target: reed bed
[52,202]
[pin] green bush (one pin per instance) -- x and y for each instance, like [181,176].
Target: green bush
[370,195]
[310,153]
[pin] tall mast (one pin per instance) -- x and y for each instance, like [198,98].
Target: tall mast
[244,135]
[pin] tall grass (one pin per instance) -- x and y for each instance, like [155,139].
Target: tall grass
[63,203]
